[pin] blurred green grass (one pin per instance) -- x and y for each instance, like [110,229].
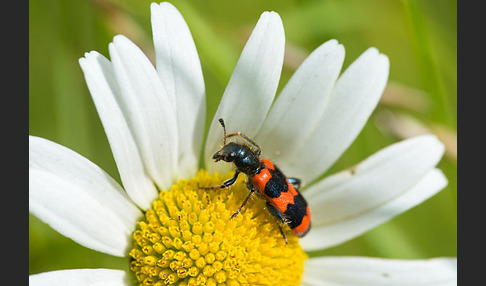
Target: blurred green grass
[419,37]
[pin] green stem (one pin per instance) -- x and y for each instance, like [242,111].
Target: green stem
[427,64]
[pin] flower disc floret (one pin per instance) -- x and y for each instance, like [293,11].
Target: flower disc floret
[188,238]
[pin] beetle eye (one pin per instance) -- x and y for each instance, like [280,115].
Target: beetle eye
[230,156]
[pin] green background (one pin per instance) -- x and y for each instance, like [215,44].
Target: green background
[419,37]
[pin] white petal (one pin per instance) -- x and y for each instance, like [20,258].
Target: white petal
[381,177]
[299,106]
[78,199]
[180,71]
[386,184]
[148,109]
[331,234]
[252,85]
[104,90]
[354,98]
[81,277]
[351,271]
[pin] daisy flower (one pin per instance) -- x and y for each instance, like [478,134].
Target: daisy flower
[173,232]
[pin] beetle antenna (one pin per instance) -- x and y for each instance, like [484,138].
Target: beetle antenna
[221,121]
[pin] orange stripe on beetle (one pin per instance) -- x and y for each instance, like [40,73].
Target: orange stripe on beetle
[304,226]
[268,164]
[261,179]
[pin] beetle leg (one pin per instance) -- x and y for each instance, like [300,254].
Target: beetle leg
[257,151]
[225,184]
[252,190]
[295,182]
[279,216]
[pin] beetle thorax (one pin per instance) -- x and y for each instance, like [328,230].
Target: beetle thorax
[247,161]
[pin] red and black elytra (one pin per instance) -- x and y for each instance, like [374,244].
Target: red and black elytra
[282,197]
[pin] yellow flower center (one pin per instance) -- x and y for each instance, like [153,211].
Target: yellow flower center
[188,238]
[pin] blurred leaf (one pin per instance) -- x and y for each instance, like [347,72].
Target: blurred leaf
[427,62]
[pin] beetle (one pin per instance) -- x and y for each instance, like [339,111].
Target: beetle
[282,196]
